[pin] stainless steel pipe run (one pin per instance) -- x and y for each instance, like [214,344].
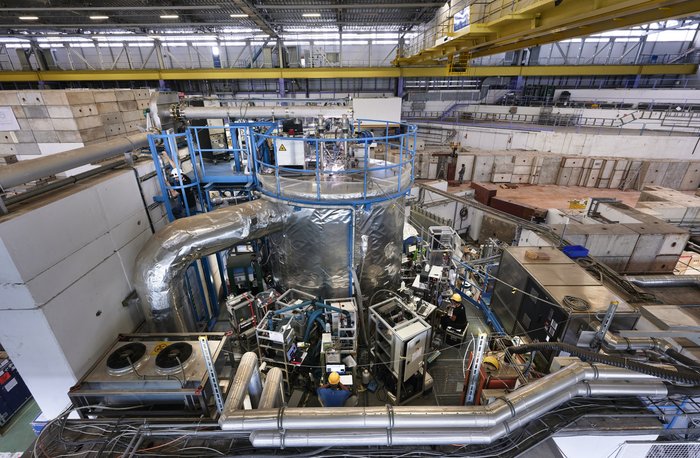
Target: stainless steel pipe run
[578,375]
[429,434]
[246,381]
[663,281]
[612,342]
[161,264]
[245,112]
[34,169]
[272,391]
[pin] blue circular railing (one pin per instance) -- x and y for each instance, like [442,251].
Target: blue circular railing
[357,169]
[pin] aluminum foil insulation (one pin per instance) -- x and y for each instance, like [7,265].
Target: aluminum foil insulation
[313,252]
[378,246]
[318,247]
[161,264]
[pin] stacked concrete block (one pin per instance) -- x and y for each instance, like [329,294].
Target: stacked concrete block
[670,205]
[49,269]
[591,172]
[51,121]
[635,242]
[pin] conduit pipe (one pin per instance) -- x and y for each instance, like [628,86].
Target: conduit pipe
[663,281]
[34,169]
[161,264]
[246,381]
[427,434]
[245,112]
[408,417]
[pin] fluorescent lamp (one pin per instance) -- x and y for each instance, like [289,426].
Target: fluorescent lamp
[99,18]
[28,18]
[311,15]
[169,16]
[239,15]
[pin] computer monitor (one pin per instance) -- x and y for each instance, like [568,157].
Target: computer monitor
[339,368]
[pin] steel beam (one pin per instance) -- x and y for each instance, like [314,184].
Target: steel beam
[344,72]
[549,23]
[345,6]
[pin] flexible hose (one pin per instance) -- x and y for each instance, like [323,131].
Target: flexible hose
[681,358]
[682,390]
[683,376]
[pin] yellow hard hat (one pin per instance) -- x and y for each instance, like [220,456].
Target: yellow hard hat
[492,361]
[334,378]
[456,297]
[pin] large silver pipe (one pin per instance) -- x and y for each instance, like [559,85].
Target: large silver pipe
[426,435]
[662,281]
[34,169]
[245,112]
[405,417]
[161,264]
[247,377]
[272,391]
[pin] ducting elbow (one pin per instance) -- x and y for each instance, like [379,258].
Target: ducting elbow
[160,266]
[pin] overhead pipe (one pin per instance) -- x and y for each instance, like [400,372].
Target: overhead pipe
[664,281]
[408,417]
[25,171]
[160,266]
[251,112]
[425,433]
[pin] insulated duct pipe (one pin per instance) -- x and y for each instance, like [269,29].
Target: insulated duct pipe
[272,392]
[428,434]
[244,112]
[161,264]
[429,417]
[663,281]
[246,381]
[34,169]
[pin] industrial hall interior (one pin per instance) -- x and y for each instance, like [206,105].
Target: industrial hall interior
[350,228]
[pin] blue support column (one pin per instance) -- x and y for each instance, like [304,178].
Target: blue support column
[400,87]
[637,80]
[281,88]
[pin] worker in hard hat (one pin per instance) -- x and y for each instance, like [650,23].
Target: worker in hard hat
[456,316]
[333,393]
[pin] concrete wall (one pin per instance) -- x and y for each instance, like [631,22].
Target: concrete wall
[66,265]
[574,143]
[633,95]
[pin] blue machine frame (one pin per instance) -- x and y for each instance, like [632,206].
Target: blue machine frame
[205,176]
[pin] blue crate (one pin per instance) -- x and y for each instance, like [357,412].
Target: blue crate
[575,251]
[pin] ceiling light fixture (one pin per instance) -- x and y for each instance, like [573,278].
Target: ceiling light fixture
[239,15]
[99,18]
[311,14]
[28,18]
[169,16]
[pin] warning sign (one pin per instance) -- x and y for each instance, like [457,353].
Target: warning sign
[578,204]
[282,148]
[157,349]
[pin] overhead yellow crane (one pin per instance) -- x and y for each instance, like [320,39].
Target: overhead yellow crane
[505,25]
[343,72]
